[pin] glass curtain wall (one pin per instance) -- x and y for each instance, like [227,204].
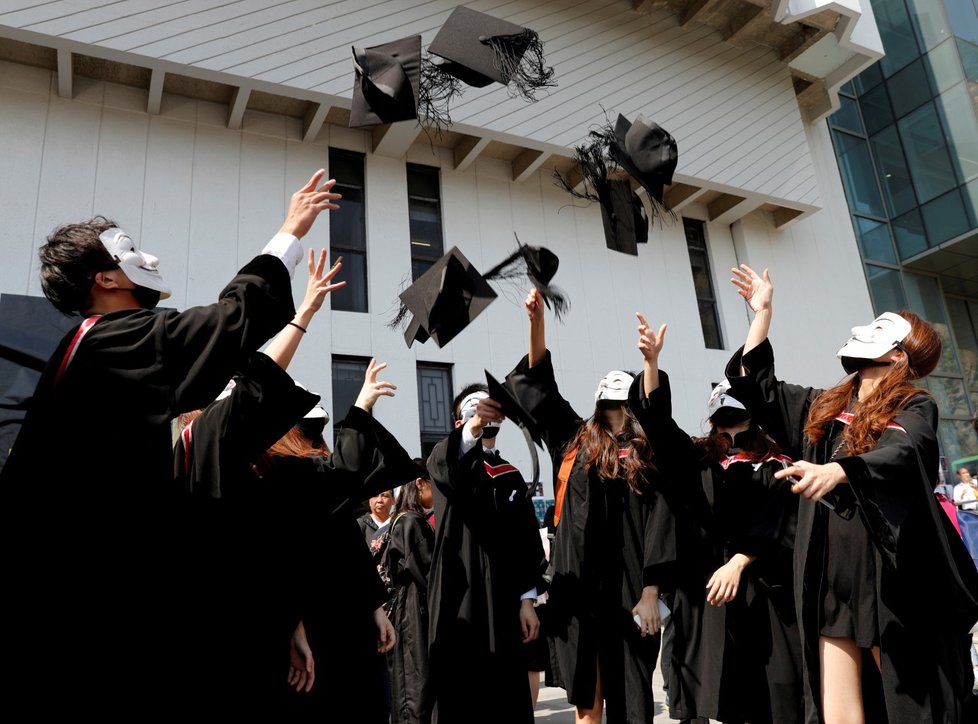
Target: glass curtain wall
[906,140]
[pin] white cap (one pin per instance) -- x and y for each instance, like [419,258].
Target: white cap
[139,267]
[614,386]
[884,333]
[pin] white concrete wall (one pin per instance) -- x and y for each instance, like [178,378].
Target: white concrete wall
[205,199]
[732,110]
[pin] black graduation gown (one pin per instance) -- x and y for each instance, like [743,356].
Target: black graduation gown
[926,585]
[408,559]
[338,584]
[741,661]
[487,554]
[88,523]
[609,544]
[238,570]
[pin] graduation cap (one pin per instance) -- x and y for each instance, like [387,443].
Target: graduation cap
[647,152]
[480,49]
[512,408]
[387,88]
[452,293]
[622,212]
[445,299]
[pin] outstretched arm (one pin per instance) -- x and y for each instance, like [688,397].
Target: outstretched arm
[758,291]
[650,344]
[538,341]
[282,348]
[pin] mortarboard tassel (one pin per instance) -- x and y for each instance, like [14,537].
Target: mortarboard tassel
[520,59]
[438,89]
[517,266]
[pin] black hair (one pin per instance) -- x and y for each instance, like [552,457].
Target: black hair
[466,391]
[70,259]
[408,498]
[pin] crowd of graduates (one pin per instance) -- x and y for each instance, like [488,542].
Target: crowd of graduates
[173,549]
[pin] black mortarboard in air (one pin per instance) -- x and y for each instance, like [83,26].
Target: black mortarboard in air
[387,88]
[480,49]
[512,408]
[445,299]
[623,217]
[622,212]
[452,293]
[647,152]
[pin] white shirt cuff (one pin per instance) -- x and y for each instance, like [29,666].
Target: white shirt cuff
[287,248]
[532,593]
[468,441]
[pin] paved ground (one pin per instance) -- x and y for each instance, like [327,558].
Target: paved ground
[552,706]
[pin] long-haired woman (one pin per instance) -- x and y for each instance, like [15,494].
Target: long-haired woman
[615,542]
[734,655]
[406,561]
[884,589]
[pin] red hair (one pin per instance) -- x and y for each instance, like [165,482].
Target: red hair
[922,346]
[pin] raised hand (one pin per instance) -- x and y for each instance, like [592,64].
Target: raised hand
[649,342]
[758,291]
[319,284]
[373,388]
[307,203]
[534,305]
[487,412]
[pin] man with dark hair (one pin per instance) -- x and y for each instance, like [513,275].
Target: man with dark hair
[487,559]
[91,522]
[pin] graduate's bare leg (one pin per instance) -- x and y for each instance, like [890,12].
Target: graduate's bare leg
[592,715]
[840,664]
[534,687]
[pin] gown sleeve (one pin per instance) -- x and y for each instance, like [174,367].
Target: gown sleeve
[673,448]
[455,476]
[779,407]
[264,404]
[536,389]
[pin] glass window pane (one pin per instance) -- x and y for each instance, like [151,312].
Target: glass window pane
[875,106]
[909,88]
[874,238]
[435,399]
[962,16]
[424,217]
[896,31]
[885,286]
[346,167]
[347,228]
[957,439]
[926,151]
[347,380]
[858,176]
[929,21]
[943,66]
[951,396]
[423,181]
[910,236]
[925,298]
[893,173]
[957,113]
[945,217]
[868,79]
[970,193]
[967,341]
[352,297]
[711,325]
[969,59]
[701,274]
[847,116]
[847,89]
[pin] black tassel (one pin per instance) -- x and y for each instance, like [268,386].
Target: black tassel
[520,59]
[516,267]
[437,91]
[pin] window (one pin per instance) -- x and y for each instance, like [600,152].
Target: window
[348,231]
[424,218]
[434,404]
[703,283]
[348,375]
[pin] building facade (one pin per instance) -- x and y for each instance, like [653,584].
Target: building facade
[906,136]
[191,123]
